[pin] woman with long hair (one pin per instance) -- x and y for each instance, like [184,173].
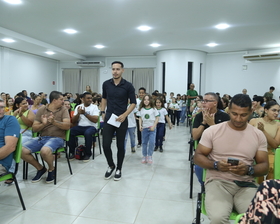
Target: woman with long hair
[269,125]
[37,99]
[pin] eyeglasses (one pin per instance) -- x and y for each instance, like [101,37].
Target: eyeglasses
[207,101]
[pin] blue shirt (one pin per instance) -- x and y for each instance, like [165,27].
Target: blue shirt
[117,96]
[9,126]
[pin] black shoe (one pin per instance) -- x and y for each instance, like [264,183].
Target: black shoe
[72,157]
[160,149]
[50,178]
[118,175]
[109,172]
[39,175]
[156,148]
[86,159]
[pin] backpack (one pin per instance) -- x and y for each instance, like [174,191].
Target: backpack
[80,152]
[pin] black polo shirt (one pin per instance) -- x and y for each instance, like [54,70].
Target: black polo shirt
[219,118]
[117,96]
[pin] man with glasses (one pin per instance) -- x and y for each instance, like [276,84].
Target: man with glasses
[9,133]
[209,116]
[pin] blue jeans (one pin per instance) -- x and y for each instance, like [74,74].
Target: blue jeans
[148,141]
[199,174]
[160,134]
[183,114]
[131,133]
[87,132]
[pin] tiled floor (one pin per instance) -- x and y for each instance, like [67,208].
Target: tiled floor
[149,194]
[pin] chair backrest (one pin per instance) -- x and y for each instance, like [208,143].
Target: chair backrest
[67,135]
[17,153]
[72,106]
[277,164]
[98,123]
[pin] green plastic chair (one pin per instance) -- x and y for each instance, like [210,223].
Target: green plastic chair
[277,164]
[238,218]
[12,175]
[201,204]
[73,105]
[62,149]
[97,135]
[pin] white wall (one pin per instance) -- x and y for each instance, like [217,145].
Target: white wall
[176,69]
[20,71]
[224,74]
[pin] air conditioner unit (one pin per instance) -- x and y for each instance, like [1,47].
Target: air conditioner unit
[262,56]
[90,63]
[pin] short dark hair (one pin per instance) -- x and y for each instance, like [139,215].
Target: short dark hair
[259,99]
[85,93]
[20,94]
[54,95]
[213,94]
[18,100]
[272,88]
[154,94]
[142,88]
[241,100]
[117,62]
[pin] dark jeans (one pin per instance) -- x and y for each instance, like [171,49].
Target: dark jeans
[87,132]
[160,134]
[173,116]
[108,133]
[139,134]
[178,115]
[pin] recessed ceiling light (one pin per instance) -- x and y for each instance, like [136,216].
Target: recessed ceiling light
[212,45]
[99,46]
[222,26]
[155,45]
[49,52]
[70,31]
[8,40]
[144,28]
[14,2]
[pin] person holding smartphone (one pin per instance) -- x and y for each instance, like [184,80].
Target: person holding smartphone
[230,184]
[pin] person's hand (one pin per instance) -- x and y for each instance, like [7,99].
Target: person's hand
[103,117]
[50,118]
[223,166]
[44,119]
[241,169]
[152,128]
[140,128]
[170,126]
[81,110]
[207,117]
[121,118]
[261,126]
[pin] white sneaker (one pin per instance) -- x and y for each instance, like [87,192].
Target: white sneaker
[143,159]
[150,160]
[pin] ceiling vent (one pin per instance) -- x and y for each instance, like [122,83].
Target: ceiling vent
[262,56]
[90,63]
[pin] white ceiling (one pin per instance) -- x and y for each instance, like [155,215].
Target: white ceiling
[37,26]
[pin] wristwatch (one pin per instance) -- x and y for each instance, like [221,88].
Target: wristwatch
[251,170]
[203,125]
[102,112]
[216,165]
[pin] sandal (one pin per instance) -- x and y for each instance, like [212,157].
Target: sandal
[9,181]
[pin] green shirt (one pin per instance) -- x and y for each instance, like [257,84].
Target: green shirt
[191,93]
[268,95]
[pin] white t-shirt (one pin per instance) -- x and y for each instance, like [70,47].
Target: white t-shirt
[138,101]
[131,118]
[174,106]
[162,113]
[91,110]
[148,116]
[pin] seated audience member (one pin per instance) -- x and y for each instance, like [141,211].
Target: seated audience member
[197,109]
[257,106]
[269,95]
[229,151]
[209,116]
[86,117]
[68,106]
[225,103]
[51,122]
[271,129]
[9,133]
[193,103]
[78,100]
[244,91]
[3,97]
[36,103]
[69,97]
[28,99]
[9,104]
[24,116]
[264,207]
[43,97]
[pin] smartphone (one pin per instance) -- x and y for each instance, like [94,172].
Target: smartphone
[233,161]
